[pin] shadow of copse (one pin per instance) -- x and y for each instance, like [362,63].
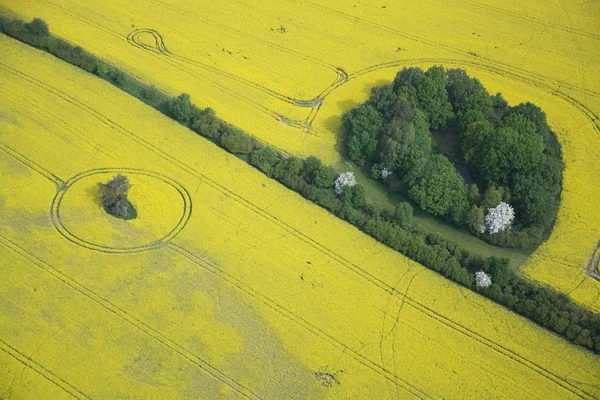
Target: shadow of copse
[94,194]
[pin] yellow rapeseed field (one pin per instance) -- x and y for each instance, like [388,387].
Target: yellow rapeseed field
[285,71]
[228,285]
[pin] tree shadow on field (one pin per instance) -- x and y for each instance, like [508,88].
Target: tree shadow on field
[94,193]
[371,85]
[334,125]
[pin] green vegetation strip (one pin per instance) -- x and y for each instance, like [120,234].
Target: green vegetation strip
[317,182]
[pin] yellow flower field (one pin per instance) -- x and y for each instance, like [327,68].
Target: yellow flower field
[285,70]
[239,288]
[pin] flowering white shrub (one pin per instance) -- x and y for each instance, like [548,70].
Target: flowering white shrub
[482,280]
[385,173]
[345,179]
[499,218]
[481,228]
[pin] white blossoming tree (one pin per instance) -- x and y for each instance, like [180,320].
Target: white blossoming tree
[482,280]
[499,218]
[385,173]
[345,179]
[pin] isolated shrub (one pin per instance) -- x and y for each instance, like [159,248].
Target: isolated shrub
[113,196]
[236,141]
[265,159]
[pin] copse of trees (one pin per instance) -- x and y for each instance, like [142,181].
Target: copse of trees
[113,196]
[510,149]
[316,181]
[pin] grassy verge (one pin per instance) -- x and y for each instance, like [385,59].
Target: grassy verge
[383,197]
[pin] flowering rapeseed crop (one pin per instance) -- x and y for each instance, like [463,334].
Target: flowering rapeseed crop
[227,285]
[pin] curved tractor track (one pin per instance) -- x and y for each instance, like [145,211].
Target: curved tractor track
[57,222]
[135,39]
[343,77]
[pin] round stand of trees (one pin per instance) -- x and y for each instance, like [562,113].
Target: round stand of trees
[511,153]
[113,196]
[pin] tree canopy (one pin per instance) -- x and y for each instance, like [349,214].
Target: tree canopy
[362,126]
[511,153]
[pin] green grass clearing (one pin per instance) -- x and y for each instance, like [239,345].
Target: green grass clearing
[379,194]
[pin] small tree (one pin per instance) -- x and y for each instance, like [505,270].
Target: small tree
[150,92]
[182,109]
[38,27]
[325,177]
[482,280]
[473,194]
[345,179]
[385,173]
[102,70]
[499,218]
[120,77]
[113,196]
[475,220]
[404,214]
[206,123]
[265,159]
[354,195]
[236,141]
